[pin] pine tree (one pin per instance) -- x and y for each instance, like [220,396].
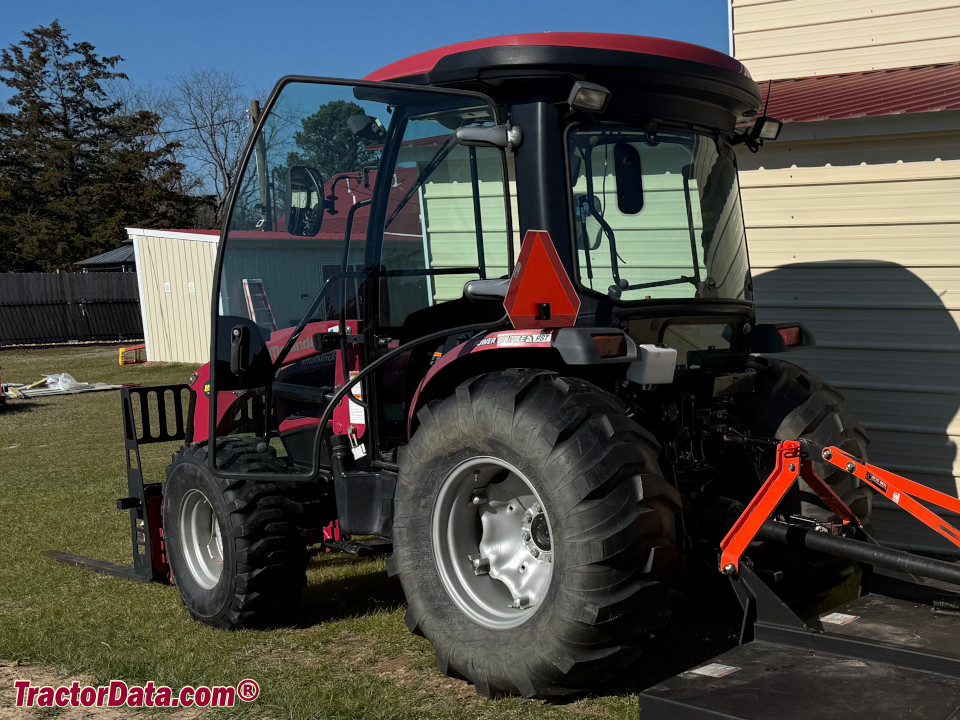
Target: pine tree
[75,169]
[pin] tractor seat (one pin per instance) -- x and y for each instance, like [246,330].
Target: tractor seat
[482,301]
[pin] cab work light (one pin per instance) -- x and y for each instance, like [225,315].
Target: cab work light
[588,96]
[767,128]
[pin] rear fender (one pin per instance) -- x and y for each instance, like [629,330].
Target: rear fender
[544,348]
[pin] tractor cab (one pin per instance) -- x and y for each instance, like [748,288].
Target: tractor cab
[370,214]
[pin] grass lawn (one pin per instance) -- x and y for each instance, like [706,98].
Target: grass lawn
[61,471]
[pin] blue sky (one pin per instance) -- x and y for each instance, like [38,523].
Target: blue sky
[261,41]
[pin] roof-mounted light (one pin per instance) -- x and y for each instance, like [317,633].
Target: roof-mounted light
[767,128]
[588,96]
[764,128]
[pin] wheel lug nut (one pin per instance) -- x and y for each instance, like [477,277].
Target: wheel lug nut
[535,552]
[521,603]
[481,565]
[526,536]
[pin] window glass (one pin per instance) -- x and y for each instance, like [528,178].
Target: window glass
[446,221]
[657,216]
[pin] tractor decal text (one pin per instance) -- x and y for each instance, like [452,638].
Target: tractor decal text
[516,339]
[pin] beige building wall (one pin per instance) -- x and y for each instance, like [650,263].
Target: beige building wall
[854,230]
[175,272]
[798,38]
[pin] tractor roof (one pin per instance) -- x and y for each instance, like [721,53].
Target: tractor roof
[556,49]
[546,64]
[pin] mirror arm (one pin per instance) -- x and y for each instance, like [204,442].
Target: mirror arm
[332,197]
[506,136]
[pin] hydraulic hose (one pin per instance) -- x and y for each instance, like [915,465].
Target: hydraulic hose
[440,334]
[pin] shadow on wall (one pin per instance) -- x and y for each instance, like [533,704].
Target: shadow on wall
[886,340]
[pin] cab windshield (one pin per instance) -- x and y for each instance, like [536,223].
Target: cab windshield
[657,215]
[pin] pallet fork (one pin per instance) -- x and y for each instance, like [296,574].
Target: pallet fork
[892,653]
[168,406]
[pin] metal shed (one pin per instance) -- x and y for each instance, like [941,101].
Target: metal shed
[853,216]
[175,278]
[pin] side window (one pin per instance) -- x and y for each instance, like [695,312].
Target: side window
[446,219]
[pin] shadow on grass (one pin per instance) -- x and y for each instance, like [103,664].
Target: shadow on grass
[703,624]
[19,408]
[359,594]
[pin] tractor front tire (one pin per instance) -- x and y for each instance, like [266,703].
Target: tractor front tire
[534,534]
[236,552]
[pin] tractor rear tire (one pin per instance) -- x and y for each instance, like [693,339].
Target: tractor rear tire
[789,403]
[236,551]
[534,534]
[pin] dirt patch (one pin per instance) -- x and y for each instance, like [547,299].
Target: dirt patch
[404,671]
[12,671]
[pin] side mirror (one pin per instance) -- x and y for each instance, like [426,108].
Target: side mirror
[626,163]
[304,202]
[367,128]
[243,360]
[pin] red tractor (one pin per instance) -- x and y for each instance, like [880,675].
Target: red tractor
[491,307]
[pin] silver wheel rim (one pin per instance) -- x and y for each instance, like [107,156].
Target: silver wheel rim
[200,539]
[492,541]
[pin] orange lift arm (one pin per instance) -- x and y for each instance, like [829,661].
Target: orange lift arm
[793,462]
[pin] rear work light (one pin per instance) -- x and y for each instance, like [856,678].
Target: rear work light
[610,345]
[588,96]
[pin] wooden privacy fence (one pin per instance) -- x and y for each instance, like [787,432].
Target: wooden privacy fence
[60,307]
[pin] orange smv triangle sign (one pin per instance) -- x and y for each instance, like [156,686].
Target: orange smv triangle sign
[540,294]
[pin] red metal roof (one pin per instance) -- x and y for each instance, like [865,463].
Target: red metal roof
[426,61]
[926,88]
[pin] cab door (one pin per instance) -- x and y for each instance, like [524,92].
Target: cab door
[333,242]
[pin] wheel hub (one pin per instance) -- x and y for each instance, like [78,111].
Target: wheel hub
[201,539]
[492,542]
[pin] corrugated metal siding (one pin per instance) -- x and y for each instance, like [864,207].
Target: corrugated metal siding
[450,227]
[177,322]
[928,88]
[799,38]
[865,250]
